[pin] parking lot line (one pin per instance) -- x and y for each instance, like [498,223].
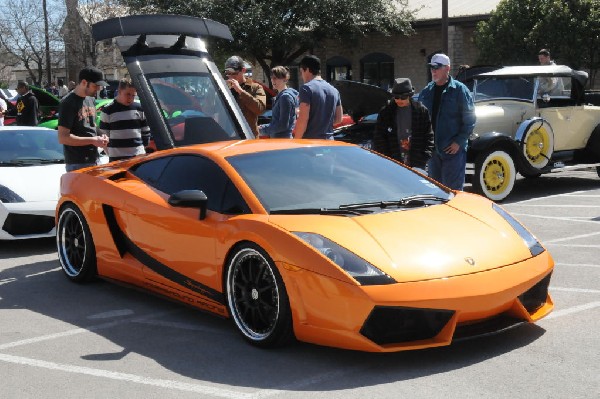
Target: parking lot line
[82,330]
[572,237]
[168,384]
[576,264]
[584,290]
[568,219]
[568,311]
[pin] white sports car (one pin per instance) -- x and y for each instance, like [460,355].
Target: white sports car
[31,164]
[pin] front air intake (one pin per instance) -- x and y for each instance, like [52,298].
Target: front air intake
[394,325]
[535,297]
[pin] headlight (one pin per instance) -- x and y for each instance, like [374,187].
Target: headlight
[361,270]
[8,196]
[532,243]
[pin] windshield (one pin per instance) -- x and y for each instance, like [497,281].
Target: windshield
[30,147]
[328,177]
[518,88]
[193,108]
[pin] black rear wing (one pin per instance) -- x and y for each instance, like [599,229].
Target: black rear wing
[159,24]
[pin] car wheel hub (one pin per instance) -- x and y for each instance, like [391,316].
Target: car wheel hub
[494,175]
[254,294]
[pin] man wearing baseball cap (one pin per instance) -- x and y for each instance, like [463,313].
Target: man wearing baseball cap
[77,121]
[249,95]
[453,118]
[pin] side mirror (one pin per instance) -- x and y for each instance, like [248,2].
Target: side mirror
[546,98]
[190,199]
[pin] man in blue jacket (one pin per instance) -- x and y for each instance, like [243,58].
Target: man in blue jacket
[453,118]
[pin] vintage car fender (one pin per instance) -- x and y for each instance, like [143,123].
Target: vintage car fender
[535,138]
[486,141]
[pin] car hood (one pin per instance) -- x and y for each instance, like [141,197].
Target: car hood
[421,244]
[360,99]
[33,183]
[502,116]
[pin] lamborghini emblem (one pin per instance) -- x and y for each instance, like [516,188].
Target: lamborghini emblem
[470,261]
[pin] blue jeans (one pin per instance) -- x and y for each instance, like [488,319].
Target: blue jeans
[449,169]
[74,166]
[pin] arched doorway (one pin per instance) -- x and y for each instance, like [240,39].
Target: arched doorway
[377,69]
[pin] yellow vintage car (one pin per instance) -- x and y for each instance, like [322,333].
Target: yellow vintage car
[531,120]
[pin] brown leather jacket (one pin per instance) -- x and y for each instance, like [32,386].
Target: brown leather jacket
[252,101]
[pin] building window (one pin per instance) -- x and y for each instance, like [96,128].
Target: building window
[338,68]
[377,69]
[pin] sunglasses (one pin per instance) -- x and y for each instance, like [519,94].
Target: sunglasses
[402,96]
[436,67]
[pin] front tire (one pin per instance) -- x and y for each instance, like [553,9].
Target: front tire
[75,245]
[495,174]
[257,299]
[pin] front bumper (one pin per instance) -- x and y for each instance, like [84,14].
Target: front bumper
[419,314]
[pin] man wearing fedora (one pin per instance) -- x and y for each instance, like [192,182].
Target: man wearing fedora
[453,118]
[403,128]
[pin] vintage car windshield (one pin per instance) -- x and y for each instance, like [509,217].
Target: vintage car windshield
[328,177]
[517,88]
[192,100]
[25,147]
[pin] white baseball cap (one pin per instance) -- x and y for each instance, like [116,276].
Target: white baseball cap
[439,60]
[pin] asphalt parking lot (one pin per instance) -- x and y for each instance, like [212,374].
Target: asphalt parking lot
[63,340]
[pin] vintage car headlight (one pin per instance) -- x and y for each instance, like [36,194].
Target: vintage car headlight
[361,270]
[532,243]
[8,196]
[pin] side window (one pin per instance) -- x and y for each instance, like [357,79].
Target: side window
[150,171]
[233,203]
[192,172]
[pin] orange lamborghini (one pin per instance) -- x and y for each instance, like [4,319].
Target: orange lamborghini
[318,240]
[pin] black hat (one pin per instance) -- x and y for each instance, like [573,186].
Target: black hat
[92,74]
[403,86]
[234,64]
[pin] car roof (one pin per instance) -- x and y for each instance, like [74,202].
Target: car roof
[530,70]
[223,149]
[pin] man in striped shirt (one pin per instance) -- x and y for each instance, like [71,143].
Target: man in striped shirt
[124,122]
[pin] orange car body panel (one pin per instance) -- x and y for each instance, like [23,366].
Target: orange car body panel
[328,306]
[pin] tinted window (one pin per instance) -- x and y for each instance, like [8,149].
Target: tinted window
[150,171]
[327,177]
[191,172]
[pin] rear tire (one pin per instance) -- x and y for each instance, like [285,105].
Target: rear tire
[75,245]
[495,174]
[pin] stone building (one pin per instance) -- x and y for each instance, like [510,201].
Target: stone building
[378,59]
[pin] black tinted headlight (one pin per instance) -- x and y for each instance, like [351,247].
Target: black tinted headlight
[8,196]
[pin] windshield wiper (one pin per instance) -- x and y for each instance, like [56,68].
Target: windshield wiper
[410,201]
[57,160]
[320,211]
[30,161]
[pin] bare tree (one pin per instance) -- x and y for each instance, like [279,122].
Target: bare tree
[23,36]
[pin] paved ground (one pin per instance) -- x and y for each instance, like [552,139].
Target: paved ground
[62,340]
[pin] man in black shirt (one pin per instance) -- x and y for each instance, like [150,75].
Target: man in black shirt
[77,121]
[27,106]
